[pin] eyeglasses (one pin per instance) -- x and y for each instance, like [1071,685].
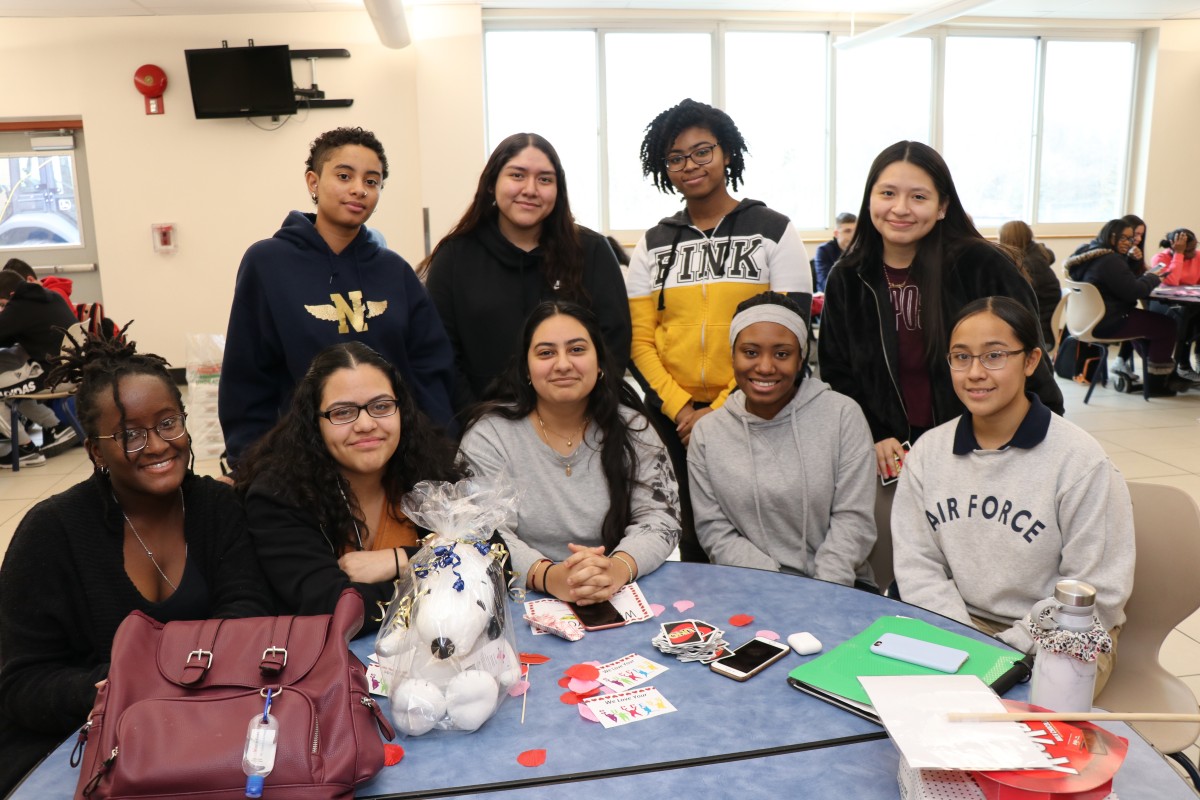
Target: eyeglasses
[344,415]
[135,439]
[700,156]
[996,359]
[1124,238]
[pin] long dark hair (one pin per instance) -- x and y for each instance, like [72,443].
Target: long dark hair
[562,252]
[949,237]
[513,397]
[1110,234]
[294,457]
[97,364]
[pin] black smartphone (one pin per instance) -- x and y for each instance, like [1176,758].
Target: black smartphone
[750,659]
[598,616]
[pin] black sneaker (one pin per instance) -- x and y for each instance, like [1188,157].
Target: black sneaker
[58,439]
[30,456]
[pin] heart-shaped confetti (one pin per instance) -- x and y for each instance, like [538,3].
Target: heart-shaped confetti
[570,698]
[683,605]
[564,682]
[392,753]
[519,688]
[586,712]
[657,608]
[740,620]
[532,758]
[583,672]
[581,687]
[772,635]
[532,658]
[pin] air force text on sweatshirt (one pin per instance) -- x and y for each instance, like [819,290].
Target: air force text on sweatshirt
[990,532]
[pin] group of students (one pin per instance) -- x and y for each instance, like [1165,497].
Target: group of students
[345,384]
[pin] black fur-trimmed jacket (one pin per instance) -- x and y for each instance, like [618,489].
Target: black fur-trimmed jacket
[859,347]
[1111,273]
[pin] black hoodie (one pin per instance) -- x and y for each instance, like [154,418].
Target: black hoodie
[35,318]
[484,288]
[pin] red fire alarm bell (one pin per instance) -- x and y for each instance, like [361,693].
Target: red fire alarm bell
[151,81]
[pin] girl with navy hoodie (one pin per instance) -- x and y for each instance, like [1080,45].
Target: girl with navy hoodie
[322,279]
[782,474]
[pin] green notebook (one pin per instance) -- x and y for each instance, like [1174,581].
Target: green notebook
[833,676]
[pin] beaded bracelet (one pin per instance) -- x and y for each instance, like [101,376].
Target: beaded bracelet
[628,566]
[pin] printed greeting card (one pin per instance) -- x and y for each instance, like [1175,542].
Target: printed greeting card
[628,671]
[635,705]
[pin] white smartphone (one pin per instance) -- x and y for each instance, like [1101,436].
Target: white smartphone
[919,652]
[750,659]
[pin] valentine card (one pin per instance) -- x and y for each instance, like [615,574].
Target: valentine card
[635,705]
[628,671]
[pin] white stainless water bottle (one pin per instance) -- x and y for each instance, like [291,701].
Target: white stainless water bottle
[1062,682]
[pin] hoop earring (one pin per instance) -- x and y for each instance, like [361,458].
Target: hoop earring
[314,198]
[601,375]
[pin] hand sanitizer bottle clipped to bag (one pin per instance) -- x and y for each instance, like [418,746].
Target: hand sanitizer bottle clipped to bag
[1061,681]
[258,759]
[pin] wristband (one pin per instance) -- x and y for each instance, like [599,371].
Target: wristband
[628,566]
[546,576]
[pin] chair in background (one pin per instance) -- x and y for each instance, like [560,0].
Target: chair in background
[1084,310]
[1166,522]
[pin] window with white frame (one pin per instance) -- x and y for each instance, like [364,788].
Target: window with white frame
[1033,128]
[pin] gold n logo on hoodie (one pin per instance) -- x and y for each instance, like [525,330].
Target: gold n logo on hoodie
[347,315]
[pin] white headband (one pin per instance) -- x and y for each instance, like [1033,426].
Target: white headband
[769,312]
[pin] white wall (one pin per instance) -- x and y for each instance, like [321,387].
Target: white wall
[224,183]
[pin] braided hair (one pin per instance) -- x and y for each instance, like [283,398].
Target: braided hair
[665,129]
[98,364]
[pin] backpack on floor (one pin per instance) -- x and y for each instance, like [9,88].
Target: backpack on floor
[1076,360]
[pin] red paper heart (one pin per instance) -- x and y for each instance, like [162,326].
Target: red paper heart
[570,698]
[740,620]
[532,658]
[563,682]
[589,693]
[392,753]
[584,672]
[532,758]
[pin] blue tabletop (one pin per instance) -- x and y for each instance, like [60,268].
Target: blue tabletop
[717,718]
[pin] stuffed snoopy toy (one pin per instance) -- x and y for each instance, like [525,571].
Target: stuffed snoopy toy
[453,661]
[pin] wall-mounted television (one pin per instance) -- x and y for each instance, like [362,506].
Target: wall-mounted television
[241,81]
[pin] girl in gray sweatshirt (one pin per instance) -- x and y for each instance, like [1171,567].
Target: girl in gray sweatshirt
[783,474]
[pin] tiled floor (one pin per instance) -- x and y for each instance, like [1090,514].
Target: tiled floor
[1156,441]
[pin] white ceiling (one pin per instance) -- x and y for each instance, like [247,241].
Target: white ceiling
[1148,10]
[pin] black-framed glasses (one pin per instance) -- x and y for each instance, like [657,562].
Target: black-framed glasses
[700,156]
[995,359]
[345,414]
[135,439]
[1124,238]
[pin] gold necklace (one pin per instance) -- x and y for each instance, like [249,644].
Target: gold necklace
[568,460]
[888,278]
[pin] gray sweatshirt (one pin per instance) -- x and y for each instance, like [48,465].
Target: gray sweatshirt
[990,532]
[555,508]
[795,493]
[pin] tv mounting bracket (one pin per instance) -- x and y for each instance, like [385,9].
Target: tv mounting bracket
[313,96]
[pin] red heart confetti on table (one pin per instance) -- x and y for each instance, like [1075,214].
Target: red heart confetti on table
[581,687]
[740,620]
[570,698]
[392,753]
[564,682]
[589,692]
[584,672]
[532,658]
[532,758]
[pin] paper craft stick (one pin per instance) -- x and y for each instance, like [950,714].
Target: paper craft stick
[1064,716]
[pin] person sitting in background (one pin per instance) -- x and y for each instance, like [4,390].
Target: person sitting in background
[1034,259]
[828,254]
[142,533]
[54,283]
[783,474]
[996,507]
[1104,264]
[322,489]
[1136,255]
[1180,267]
[320,280]
[516,246]
[33,322]
[599,502]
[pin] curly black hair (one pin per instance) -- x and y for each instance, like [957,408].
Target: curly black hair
[99,363]
[293,456]
[666,127]
[327,142]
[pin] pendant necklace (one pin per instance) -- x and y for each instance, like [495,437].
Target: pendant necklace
[903,282]
[149,554]
[566,461]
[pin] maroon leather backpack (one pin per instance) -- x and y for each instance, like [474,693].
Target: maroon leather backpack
[171,721]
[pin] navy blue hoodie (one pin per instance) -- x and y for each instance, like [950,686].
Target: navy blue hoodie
[295,296]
